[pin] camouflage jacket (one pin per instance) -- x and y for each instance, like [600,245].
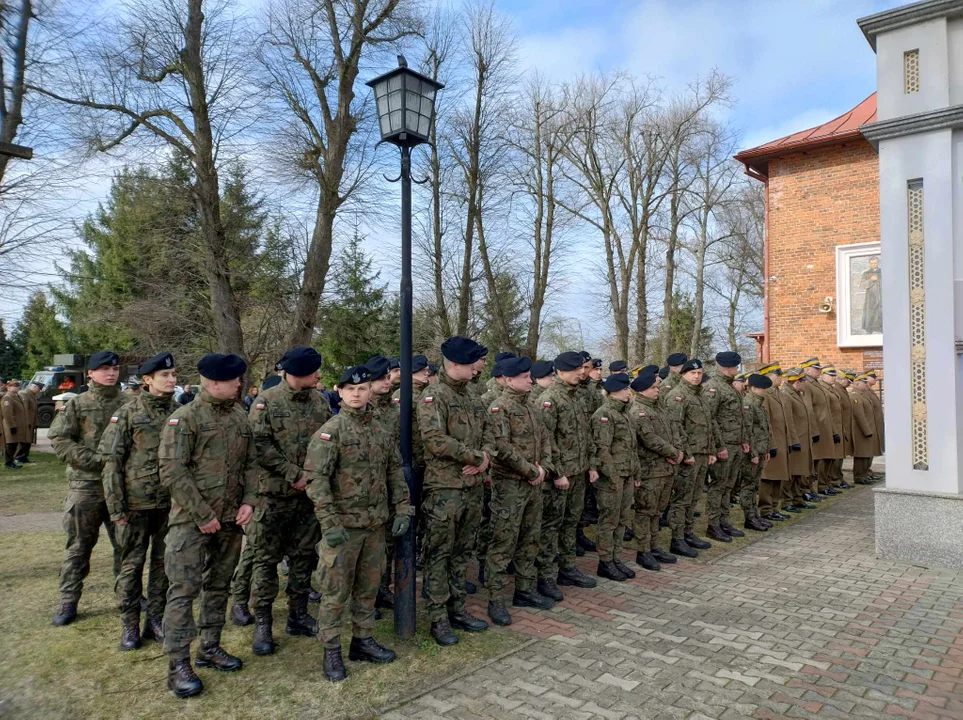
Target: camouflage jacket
[591,396]
[455,433]
[417,446]
[671,380]
[388,413]
[75,436]
[759,433]
[283,421]
[687,408]
[560,408]
[614,442]
[657,438]
[520,439]
[208,461]
[725,407]
[129,447]
[535,394]
[354,472]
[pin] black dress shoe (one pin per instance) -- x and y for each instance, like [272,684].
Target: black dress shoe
[182,680]
[442,633]
[470,587]
[845,485]
[499,613]
[240,615]
[664,557]
[717,533]
[607,569]
[731,531]
[153,629]
[334,665]
[805,506]
[368,650]
[549,589]
[130,636]
[792,508]
[833,491]
[647,561]
[66,614]
[755,524]
[575,577]
[214,656]
[464,620]
[681,547]
[774,517]
[697,542]
[532,600]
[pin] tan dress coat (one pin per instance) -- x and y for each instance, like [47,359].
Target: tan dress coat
[14,417]
[847,407]
[865,441]
[836,409]
[777,468]
[800,463]
[823,449]
[29,399]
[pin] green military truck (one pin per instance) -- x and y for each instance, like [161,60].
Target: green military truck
[67,374]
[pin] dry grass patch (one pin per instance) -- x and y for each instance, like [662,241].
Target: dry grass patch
[37,487]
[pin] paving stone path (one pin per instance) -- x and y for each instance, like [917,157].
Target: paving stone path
[805,623]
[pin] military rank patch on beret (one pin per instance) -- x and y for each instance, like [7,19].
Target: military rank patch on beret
[174,421]
[604,419]
[260,406]
[494,408]
[429,399]
[325,436]
[546,404]
[113,419]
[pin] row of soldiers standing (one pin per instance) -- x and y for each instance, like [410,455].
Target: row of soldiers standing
[18,422]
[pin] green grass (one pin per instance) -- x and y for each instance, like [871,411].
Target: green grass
[79,672]
[37,487]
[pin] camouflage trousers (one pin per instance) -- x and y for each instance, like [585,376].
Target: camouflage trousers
[351,570]
[686,491]
[244,572]
[485,530]
[198,565]
[145,532]
[615,497]
[81,522]
[553,512]
[574,506]
[749,488]
[452,516]
[724,475]
[285,526]
[516,520]
[651,498]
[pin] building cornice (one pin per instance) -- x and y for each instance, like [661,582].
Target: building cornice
[920,12]
[947,118]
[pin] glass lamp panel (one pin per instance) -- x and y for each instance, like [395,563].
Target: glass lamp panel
[394,101]
[395,121]
[412,102]
[427,106]
[423,125]
[411,120]
[382,106]
[385,125]
[381,89]
[395,83]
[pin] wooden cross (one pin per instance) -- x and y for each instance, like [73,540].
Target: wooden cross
[17,151]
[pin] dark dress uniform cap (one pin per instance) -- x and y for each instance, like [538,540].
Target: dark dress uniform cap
[618,366]
[462,350]
[504,356]
[676,359]
[513,367]
[759,381]
[497,370]
[357,375]
[654,369]
[221,367]
[301,361]
[570,360]
[614,383]
[664,372]
[644,381]
[586,356]
[432,369]
[693,364]
[378,366]
[543,368]
[394,363]
[104,357]
[271,382]
[728,359]
[162,361]
[419,363]
[597,362]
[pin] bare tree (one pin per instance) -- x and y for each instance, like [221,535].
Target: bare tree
[15,30]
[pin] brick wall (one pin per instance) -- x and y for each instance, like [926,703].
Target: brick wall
[818,199]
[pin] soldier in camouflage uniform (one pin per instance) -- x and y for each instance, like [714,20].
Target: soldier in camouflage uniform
[687,408]
[617,459]
[562,411]
[457,443]
[543,377]
[725,408]
[137,502]
[208,462]
[674,363]
[758,450]
[420,374]
[521,461]
[356,484]
[75,436]
[658,450]
[283,419]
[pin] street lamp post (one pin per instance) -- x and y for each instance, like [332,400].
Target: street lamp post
[406,108]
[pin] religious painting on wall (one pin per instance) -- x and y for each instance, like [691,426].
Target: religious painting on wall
[859,297]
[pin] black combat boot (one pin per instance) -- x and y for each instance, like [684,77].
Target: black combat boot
[66,614]
[681,547]
[464,620]
[182,680]
[549,589]
[153,629]
[582,541]
[755,524]
[579,550]
[263,643]
[697,542]
[442,632]
[499,613]
[334,665]
[385,599]
[575,577]
[527,598]
[607,569]
[717,533]
[647,561]
[299,621]
[240,615]
[731,531]
[624,569]
[368,650]
[214,656]
[314,596]
[664,557]
[130,636]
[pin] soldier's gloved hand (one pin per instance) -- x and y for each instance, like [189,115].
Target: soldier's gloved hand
[837,439]
[789,449]
[815,438]
[336,537]
[399,526]
[796,448]
[772,452]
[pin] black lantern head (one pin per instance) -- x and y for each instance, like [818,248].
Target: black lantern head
[406,105]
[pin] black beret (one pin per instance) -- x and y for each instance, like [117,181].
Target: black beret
[358,374]
[462,350]
[221,367]
[654,369]
[614,383]
[728,359]
[664,372]
[643,382]
[693,364]
[104,357]
[504,356]
[676,359]
[497,370]
[570,360]
[597,363]
[543,368]
[378,366]
[759,381]
[586,356]
[419,363]
[513,367]
[163,361]
[271,382]
[618,366]
[394,363]
[432,369]
[301,361]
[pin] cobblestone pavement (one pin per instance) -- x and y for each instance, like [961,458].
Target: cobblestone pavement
[805,623]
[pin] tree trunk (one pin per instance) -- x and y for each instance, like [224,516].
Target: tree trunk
[641,287]
[674,220]
[438,259]
[315,272]
[700,275]
[12,116]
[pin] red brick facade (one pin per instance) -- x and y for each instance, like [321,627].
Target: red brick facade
[818,198]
